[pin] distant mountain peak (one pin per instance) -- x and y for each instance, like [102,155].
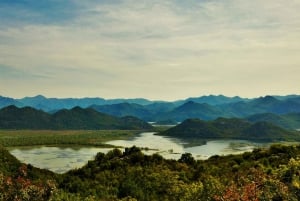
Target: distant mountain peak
[190,103]
[215,99]
[41,97]
[77,108]
[266,100]
[269,98]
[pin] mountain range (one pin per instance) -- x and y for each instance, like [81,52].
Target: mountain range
[12,117]
[281,110]
[51,104]
[266,126]
[284,112]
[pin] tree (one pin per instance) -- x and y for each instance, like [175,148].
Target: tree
[187,158]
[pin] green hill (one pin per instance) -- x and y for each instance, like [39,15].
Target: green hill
[233,128]
[12,117]
[294,120]
[78,118]
[288,121]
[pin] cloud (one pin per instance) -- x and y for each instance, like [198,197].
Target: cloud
[126,48]
[11,73]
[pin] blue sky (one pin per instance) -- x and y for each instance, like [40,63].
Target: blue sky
[153,49]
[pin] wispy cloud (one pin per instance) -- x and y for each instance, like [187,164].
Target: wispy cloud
[155,48]
[11,73]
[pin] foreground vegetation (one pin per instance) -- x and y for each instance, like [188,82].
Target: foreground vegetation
[9,138]
[272,174]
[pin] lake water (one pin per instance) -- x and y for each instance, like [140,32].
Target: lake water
[61,159]
[56,159]
[172,148]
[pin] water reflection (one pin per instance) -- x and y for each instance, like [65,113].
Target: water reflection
[168,147]
[171,148]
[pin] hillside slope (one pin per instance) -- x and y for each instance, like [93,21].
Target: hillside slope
[234,128]
[288,121]
[12,117]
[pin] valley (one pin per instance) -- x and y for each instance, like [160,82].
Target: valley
[188,152]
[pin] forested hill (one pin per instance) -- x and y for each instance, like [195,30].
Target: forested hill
[231,129]
[288,121]
[12,117]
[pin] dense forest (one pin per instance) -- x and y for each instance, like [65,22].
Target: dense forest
[264,174]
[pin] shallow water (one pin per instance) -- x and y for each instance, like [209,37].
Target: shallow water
[56,159]
[172,148]
[62,159]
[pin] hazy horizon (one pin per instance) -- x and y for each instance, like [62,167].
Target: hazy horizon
[167,100]
[158,50]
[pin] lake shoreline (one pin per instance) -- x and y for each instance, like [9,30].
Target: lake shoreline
[64,158]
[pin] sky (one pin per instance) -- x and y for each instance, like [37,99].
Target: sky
[160,50]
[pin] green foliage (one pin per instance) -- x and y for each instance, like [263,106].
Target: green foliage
[264,174]
[239,177]
[8,163]
[187,158]
[23,182]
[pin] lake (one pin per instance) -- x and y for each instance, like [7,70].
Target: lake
[62,159]
[56,159]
